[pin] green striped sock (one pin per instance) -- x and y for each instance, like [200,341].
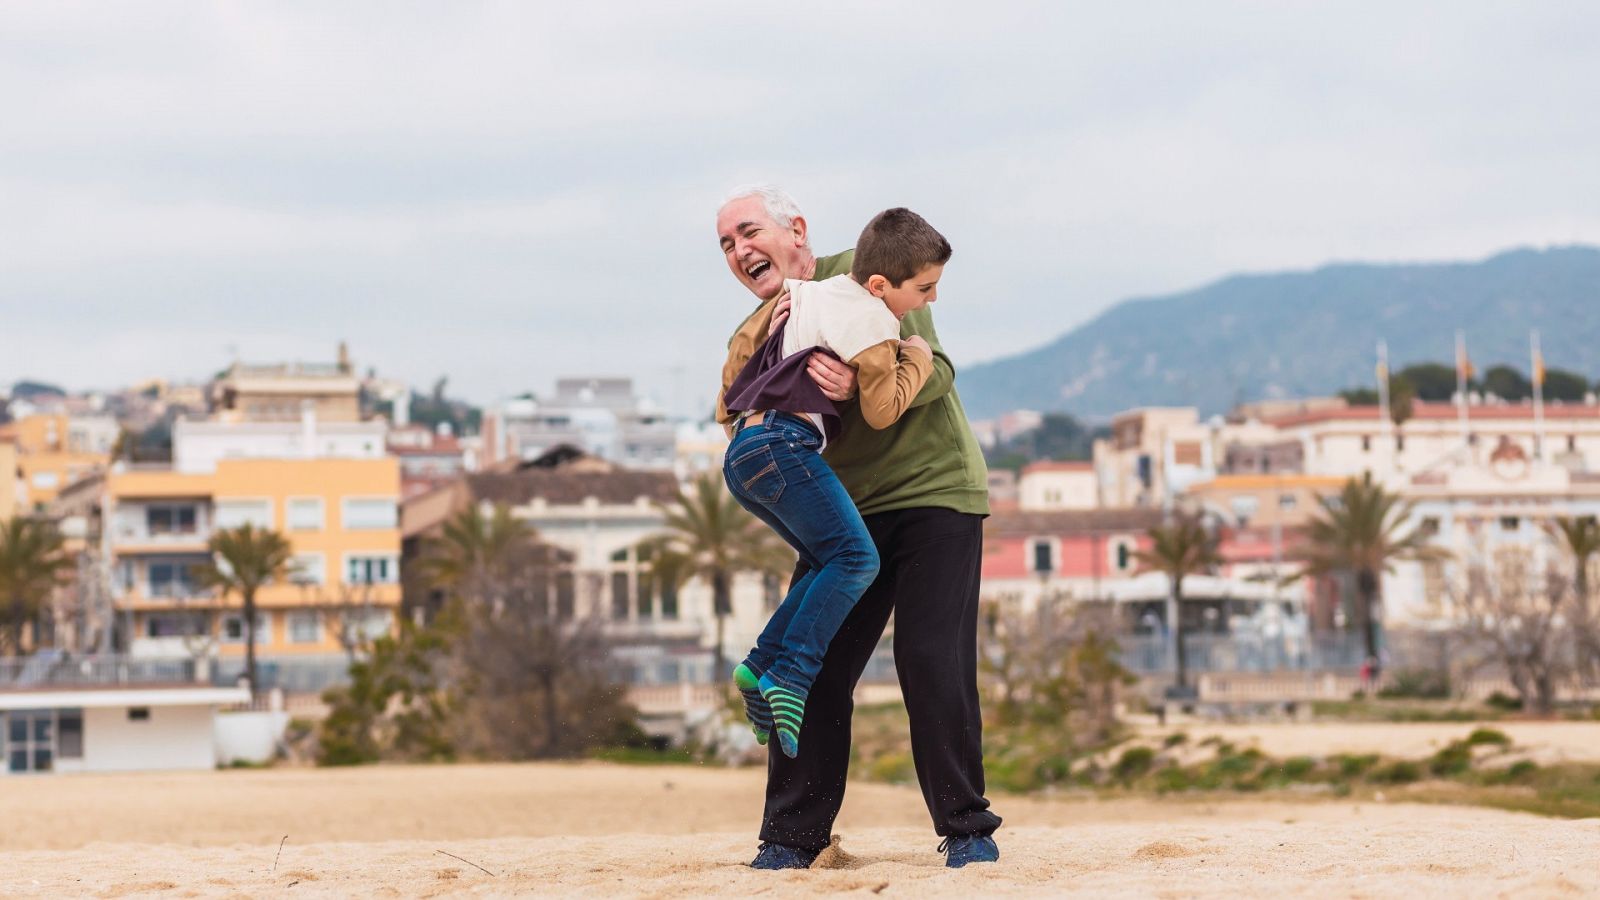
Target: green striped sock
[755,708]
[788,709]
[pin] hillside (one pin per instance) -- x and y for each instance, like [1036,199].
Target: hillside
[1251,337]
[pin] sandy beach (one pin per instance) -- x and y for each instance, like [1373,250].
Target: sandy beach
[600,830]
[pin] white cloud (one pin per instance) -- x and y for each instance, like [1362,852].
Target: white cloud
[511,192]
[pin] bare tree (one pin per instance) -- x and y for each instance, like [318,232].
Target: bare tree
[1519,612]
[1053,666]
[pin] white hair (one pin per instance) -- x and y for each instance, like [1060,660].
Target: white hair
[779,205]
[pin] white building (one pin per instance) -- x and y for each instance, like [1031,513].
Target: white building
[106,715]
[600,416]
[197,446]
[1045,486]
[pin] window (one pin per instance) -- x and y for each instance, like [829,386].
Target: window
[1124,556]
[1510,523]
[170,520]
[669,600]
[305,627]
[1572,443]
[1043,558]
[1366,443]
[1429,525]
[371,570]
[138,714]
[171,579]
[566,595]
[46,480]
[619,595]
[69,734]
[366,624]
[305,514]
[1288,501]
[308,568]
[175,624]
[233,629]
[646,599]
[369,514]
[30,740]
[1399,442]
[1244,506]
[233,513]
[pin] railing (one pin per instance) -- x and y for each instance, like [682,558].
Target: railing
[59,670]
[1148,653]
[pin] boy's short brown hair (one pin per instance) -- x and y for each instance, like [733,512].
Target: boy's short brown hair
[897,244]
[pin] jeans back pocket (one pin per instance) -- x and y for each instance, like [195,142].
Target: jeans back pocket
[757,475]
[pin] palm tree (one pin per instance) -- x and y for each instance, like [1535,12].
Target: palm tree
[33,563]
[243,560]
[474,549]
[1362,531]
[1178,549]
[709,535]
[1580,537]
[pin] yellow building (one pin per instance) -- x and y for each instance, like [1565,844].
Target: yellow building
[54,451]
[1264,501]
[9,482]
[339,515]
[281,392]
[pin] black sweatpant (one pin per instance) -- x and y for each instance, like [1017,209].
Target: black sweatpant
[930,559]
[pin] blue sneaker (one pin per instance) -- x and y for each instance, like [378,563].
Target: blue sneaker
[778,856]
[960,849]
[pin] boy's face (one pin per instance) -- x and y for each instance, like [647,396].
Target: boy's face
[914,293]
[760,252]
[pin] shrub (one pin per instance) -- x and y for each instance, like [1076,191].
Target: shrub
[1503,701]
[1135,762]
[1418,684]
[1400,772]
[1175,739]
[1454,759]
[1488,736]
[1297,768]
[1354,766]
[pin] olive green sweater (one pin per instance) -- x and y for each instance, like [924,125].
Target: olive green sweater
[928,458]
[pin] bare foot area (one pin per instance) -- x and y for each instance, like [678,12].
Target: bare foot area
[591,830]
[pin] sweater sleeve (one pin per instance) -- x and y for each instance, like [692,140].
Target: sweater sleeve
[741,347]
[889,375]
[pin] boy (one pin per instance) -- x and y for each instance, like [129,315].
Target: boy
[781,421]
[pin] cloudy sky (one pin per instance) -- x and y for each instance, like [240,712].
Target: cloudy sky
[508,192]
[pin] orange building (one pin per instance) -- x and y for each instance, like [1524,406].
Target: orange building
[339,515]
[55,450]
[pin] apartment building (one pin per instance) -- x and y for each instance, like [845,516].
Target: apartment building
[277,392]
[1050,485]
[600,416]
[54,450]
[10,481]
[339,515]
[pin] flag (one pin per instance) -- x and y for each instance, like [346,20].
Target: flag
[1538,368]
[1464,369]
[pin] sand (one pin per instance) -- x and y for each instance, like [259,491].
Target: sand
[597,830]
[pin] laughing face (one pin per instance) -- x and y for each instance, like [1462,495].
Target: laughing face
[760,252]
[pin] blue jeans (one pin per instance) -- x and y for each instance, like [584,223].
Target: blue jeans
[775,471]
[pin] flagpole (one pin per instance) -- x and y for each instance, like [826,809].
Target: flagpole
[1461,387]
[1385,415]
[1538,395]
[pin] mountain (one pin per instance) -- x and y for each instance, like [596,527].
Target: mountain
[1296,334]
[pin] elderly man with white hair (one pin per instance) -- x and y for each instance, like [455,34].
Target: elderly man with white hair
[921,487]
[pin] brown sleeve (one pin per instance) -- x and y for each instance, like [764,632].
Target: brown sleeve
[741,347]
[889,375]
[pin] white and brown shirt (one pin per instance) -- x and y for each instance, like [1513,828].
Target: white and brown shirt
[838,315]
